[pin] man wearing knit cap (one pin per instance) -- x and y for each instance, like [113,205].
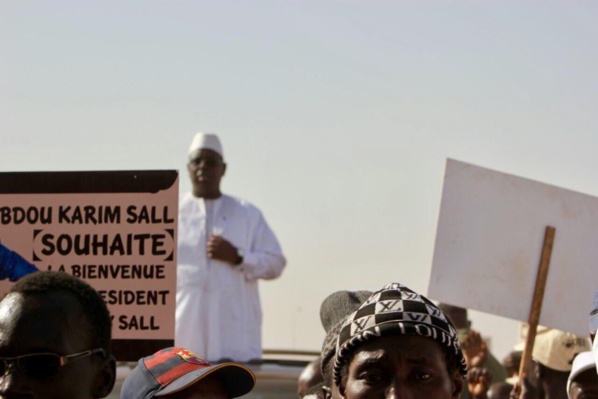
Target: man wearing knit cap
[224,247]
[398,344]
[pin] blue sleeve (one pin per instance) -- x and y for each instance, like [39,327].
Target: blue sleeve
[13,266]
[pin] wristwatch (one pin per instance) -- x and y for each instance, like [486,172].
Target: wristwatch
[240,254]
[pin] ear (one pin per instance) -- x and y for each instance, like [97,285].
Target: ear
[457,380]
[106,378]
[223,169]
[341,390]
[327,392]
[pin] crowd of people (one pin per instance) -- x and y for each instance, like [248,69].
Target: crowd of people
[563,365]
[55,329]
[55,333]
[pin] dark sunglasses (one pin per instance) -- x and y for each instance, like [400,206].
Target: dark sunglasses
[42,365]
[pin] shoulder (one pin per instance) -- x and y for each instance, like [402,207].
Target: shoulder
[187,203]
[185,199]
[242,204]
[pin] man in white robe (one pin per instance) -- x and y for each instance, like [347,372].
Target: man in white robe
[224,247]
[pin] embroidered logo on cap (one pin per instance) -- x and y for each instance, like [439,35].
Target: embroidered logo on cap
[191,357]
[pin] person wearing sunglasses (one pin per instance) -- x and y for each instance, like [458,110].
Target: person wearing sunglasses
[55,340]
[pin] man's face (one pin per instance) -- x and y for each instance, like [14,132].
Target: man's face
[206,169]
[585,386]
[52,323]
[406,367]
[210,387]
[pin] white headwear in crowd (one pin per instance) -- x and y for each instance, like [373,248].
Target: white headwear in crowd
[206,141]
[556,349]
[582,362]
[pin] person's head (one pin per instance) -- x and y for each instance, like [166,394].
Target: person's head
[327,362]
[458,316]
[398,344]
[48,319]
[206,165]
[583,380]
[511,363]
[333,310]
[553,355]
[178,373]
[556,349]
[309,377]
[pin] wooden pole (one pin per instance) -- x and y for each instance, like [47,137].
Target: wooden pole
[534,314]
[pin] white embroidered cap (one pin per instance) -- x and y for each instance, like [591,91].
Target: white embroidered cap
[582,362]
[206,141]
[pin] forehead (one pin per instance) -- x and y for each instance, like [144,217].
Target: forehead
[402,347]
[206,154]
[32,323]
[587,380]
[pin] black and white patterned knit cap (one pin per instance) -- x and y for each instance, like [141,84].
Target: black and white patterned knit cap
[395,310]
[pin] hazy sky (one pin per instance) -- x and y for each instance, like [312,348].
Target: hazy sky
[336,116]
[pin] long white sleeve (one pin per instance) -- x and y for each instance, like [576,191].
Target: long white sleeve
[264,259]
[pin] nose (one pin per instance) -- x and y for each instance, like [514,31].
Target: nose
[13,384]
[202,164]
[398,390]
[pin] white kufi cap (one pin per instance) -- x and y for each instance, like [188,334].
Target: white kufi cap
[206,141]
[582,362]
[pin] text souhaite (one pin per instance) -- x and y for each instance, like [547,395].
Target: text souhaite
[103,244]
